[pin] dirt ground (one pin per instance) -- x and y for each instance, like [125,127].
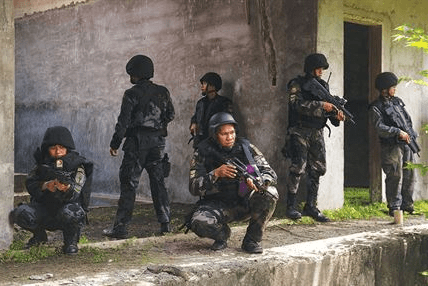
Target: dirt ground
[156,249]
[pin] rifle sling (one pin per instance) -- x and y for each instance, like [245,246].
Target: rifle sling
[245,146]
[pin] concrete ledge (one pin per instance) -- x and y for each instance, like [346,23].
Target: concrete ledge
[388,257]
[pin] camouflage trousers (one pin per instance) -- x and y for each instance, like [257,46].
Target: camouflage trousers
[306,150]
[211,217]
[135,160]
[35,217]
[399,181]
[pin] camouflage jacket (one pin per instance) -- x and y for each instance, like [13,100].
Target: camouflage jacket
[209,156]
[304,110]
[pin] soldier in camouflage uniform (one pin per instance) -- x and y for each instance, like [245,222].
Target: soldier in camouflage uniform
[60,187]
[226,196]
[146,110]
[210,104]
[305,147]
[395,151]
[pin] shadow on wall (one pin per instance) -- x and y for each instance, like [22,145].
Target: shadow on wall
[228,91]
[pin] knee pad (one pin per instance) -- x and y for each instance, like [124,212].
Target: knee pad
[25,216]
[207,222]
[73,214]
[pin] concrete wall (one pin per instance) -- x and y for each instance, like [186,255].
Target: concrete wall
[395,57]
[70,70]
[7,83]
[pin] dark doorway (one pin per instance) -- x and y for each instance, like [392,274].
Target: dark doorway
[362,61]
[356,85]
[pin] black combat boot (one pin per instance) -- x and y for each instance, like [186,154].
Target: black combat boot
[314,212]
[165,228]
[310,208]
[39,237]
[292,212]
[220,239]
[251,246]
[117,231]
[219,245]
[71,238]
[408,208]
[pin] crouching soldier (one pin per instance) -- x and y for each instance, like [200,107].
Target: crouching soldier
[59,186]
[235,183]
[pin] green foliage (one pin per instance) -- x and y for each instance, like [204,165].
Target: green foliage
[83,239]
[424,273]
[421,207]
[34,254]
[96,255]
[414,37]
[357,206]
[423,168]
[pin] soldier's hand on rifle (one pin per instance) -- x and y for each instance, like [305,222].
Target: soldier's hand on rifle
[193,128]
[340,116]
[226,171]
[328,107]
[50,186]
[251,185]
[114,152]
[62,187]
[404,136]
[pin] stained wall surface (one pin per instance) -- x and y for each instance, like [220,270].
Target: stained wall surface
[70,70]
[7,75]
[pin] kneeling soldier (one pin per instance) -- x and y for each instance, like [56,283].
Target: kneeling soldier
[60,187]
[229,192]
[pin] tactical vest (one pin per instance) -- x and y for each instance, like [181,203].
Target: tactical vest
[66,167]
[215,156]
[150,109]
[297,119]
[387,109]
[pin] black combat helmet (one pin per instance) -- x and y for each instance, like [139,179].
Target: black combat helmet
[57,135]
[314,61]
[218,120]
[213,79]
[385,80]
[140,66]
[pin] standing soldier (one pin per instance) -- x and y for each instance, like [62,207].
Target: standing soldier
[207,106]
[227,195]
[145,112]
[397,139]
[307,117]
[60,188]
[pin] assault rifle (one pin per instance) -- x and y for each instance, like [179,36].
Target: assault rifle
[402,124]
[48,173]
[243,172]
[322,93]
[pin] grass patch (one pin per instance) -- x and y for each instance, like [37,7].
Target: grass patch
[357,206]
[34,254]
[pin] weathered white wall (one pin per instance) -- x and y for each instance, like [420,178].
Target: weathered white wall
[7,84]
[330,43]
[395,57]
